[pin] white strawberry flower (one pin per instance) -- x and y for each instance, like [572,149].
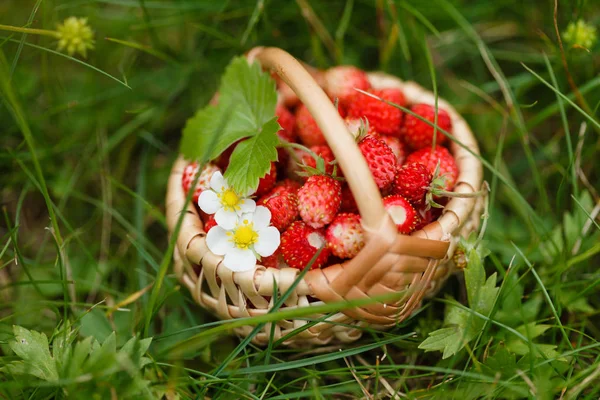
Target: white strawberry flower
[221,200]
[250,238]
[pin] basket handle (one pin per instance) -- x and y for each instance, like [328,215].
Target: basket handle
[370,205]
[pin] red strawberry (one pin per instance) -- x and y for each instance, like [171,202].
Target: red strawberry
[385,119]
[287,121]
[397,146]
[322,151]
[285,186]
[210,223]
[412,182]
[222,160]
[300,243]
[429,158]
[418,134]
[348,202]
[427,216]
[283,207]
[319,200]
[402,212]
[345,235]
[380,159]
[355,125]
[307,129]
[340,82]
[275,260]
[266,183]
[189,174]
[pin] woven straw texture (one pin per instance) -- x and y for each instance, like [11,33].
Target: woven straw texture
[415,265]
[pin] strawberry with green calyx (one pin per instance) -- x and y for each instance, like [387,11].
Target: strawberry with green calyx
[418,134]
[345,236]
[310,161]
[320,197]
[437,194]
[431,158]
[300,243]
[373,105]
[402,212]
[378,155]
[412,182]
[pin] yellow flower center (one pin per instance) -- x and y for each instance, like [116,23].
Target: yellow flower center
[244,236]
[230,200]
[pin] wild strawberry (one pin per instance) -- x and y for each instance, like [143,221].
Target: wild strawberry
[307,129]
[287,121]
[322,151]
[319,199]
[412,182]
[357,127]
[300,243]
[210,223]
[266,183]
[380,159]
[430,159]
[189,174]
[428,215]
[418,134]
[345,235]
[397,146]
[222,160]
[275,260]
[283,207]
[348,202]
[402,212]
[385,119]
[340,82]
[285,186]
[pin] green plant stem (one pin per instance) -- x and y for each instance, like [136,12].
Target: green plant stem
[43,32]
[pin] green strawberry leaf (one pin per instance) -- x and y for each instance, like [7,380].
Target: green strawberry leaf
[33,349]
[251,159]
[464,326]
[247,100]
[253,93]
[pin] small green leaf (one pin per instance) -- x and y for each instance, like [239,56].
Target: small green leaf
[251,159]
[503,362]
[447,340]
[32,347]
[252,91]
[247,100]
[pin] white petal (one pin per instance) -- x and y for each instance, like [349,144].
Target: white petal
[268,241]
[217,182]
[238,259]
[209,202]
[247,206]
[226,219]
[262,218]
[218,241]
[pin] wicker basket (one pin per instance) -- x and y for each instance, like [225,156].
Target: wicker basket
[389,263]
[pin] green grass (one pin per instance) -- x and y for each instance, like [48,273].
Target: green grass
[86,147]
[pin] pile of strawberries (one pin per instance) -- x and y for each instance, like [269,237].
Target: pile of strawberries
[310,203]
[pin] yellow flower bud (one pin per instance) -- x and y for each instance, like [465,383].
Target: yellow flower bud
[75,36]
